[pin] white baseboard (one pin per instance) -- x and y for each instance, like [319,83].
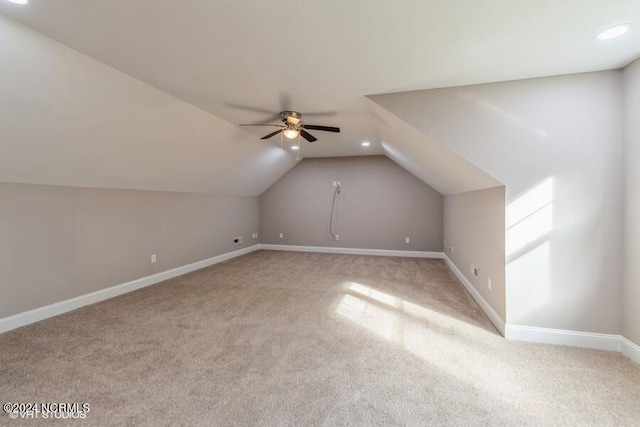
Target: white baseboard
[495,318]
[513,332]
[607,342]
[563,337]
[41,313]
[352,251]
[630,349]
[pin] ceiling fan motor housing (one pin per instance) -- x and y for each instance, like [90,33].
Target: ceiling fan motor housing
[291,117]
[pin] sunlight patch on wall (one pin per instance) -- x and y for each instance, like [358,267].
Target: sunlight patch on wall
[529,221]
[529,217]
[529,279]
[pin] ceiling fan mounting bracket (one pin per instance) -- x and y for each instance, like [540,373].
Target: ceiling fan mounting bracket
[292,117]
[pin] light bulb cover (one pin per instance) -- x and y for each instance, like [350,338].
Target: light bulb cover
[290,133]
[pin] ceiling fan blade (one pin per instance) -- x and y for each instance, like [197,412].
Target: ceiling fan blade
[271,134]
[261,124]
[324,128]
[306,135]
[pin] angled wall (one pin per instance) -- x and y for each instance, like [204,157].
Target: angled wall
[380,204]
[437,166]
[66,119]
[69,120]
[631,321]
[474,235]
[556,144]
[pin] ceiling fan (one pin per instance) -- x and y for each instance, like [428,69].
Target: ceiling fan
[292,127]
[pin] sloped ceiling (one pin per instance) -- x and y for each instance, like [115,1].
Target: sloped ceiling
[412,149]
[66,119]
[240,61]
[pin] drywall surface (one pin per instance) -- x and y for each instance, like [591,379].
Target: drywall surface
[474,233]
[66,119]
[380,204]
[631,309]
[62,242]
[436,165]
[556,145]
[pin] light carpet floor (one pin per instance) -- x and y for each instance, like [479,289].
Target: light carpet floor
[303,339]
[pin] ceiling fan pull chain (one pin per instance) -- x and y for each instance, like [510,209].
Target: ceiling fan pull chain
[298,156]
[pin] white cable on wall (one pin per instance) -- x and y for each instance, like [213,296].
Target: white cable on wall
[334,208]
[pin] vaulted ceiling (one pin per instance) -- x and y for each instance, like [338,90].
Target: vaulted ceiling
[222,63]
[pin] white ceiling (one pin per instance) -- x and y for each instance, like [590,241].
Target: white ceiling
[326,56]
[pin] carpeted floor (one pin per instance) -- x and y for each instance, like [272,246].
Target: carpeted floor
[302,339]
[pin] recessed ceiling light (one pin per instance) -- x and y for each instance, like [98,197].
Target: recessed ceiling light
[19,1]
[295,147]
[613,32]
[366,143]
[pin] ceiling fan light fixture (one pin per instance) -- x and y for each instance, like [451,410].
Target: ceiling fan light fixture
[291,133]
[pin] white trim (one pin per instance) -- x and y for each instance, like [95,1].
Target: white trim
[484,305]
[41,313]
[514,332]
[563,337]
[352,251]
[630,349]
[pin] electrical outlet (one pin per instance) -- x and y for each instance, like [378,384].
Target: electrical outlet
[451,249]
[254,235]
[281,235]
[335,183]
[489,283]
[154,259]
[337,237]
[407,240]
[475,270]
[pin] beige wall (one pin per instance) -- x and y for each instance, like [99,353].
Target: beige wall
[380,205]
[556,144]
[62,242]
[631,300]
[474,231]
